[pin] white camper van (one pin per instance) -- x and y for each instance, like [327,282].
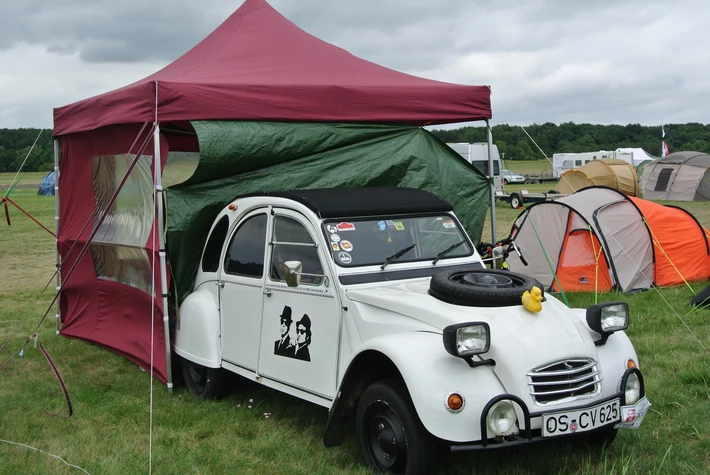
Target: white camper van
[477,155]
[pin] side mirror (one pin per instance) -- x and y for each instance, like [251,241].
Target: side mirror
[292,273]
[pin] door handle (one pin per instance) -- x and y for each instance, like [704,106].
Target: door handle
[220,284]
[267,292]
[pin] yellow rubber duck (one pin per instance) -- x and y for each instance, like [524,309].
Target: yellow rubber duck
[532,299]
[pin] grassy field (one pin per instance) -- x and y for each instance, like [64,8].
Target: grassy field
[112,432]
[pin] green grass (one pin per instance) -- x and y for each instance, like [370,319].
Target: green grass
[110,431]
[527,167]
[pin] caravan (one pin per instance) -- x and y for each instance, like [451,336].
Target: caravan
[561,162]
[477,155]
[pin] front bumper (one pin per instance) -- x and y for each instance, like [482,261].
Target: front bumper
[629,417]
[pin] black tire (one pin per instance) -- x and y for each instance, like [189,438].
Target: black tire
[205,383]
[515,201]
[391,437]
[470,288]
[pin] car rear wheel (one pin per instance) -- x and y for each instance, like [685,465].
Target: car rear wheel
[392,439]
[203,382]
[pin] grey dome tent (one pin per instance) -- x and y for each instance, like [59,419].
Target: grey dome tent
[682,176]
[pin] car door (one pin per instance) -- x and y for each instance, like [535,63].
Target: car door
[300,325]
[241,295]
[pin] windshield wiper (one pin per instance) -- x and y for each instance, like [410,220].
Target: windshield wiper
[446,251]
[396,256]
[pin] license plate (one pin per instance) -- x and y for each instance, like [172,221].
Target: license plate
[582,420]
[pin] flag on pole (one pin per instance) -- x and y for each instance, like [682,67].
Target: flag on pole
[663,133]
[665,149]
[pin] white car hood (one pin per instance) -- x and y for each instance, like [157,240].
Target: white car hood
[521,340]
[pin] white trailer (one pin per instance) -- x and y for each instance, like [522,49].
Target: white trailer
[477,155]
[561,162]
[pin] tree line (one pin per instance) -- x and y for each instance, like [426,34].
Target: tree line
[569,137]
[511,140]
[15,144]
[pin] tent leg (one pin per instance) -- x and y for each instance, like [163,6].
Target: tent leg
[161,243]
[491,178]
[58,316]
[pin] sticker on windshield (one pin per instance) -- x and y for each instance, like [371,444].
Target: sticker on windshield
[335,238]
[346,246]
[449,224]
[345,258]
[390,223]
[399,226]
[335,246]
[381,225]
[346,227]
[331,228]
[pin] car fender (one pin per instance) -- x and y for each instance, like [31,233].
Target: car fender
[431,374]
[611,356]
[197,333]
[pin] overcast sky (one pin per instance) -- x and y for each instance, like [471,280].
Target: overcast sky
[601,61]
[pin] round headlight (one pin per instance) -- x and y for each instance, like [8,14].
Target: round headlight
[632,390]
[501,418]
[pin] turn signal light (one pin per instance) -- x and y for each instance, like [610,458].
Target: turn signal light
[630,363]
[232,207]
[454,402]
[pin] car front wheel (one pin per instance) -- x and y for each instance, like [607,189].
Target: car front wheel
[203,382]
[392,439]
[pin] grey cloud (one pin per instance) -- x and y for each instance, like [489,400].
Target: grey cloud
[607,61]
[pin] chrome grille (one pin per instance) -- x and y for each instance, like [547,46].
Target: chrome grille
[571,379]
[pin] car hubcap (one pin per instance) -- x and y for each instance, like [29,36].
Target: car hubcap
[386,442]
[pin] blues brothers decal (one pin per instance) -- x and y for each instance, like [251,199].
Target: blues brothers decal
[294,346]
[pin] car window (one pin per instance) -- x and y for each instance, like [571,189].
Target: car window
[370,241]
[245,255]
[213,249]
[292,242]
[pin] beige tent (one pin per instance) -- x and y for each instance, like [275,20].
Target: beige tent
[611,172]
[683,176]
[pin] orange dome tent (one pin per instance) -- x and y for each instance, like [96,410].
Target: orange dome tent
[599,239]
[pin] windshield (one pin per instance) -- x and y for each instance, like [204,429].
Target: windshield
[362,242]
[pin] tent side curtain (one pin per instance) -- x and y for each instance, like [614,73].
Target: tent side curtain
[108,299]
[245,157]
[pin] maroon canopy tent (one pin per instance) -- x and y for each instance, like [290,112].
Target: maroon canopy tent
[256,65]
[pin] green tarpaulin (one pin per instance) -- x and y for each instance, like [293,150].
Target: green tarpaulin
[246,157]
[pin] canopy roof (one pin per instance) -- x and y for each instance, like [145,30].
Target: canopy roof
[257,65]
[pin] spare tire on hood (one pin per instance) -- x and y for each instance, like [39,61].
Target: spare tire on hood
[481,287]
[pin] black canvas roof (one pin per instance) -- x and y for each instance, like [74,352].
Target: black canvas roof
[370,201]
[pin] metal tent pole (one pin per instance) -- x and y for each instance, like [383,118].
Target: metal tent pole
[58,316]
[491,179]
[161,244]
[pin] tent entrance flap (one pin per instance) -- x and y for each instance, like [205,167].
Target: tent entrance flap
[582,266]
